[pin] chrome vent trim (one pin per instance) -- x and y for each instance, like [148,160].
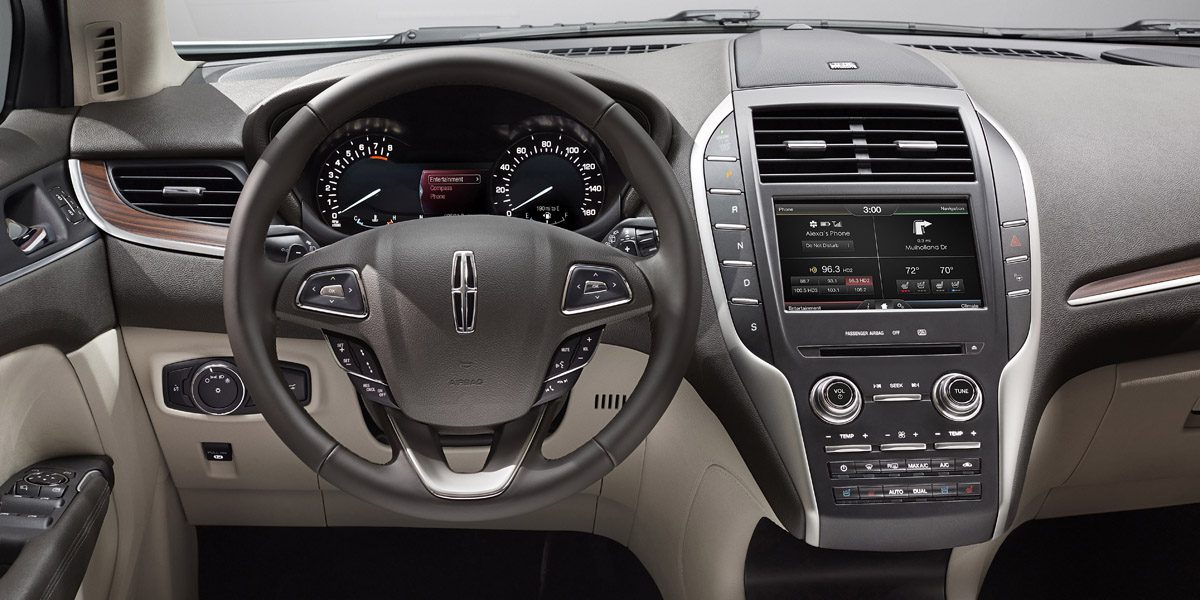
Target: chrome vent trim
[827,143]
[1036,54]
[195,191]
[607,50]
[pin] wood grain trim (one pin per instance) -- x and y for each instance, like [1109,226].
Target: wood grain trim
[109,206]
[1165,277]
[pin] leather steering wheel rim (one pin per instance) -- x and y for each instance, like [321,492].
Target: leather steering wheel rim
[667,286]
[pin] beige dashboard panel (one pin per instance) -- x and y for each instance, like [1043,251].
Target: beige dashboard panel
[1142,454]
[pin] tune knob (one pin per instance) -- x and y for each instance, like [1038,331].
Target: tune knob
[836,400]
[217,388]
[957,397]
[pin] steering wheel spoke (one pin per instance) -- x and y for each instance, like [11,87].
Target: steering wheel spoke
[513,445]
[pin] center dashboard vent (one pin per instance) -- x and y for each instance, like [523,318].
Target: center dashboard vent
[820,143]
[607,50]
[195,191]
[1004,52]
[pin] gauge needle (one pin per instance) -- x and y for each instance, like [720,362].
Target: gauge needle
[361,200]
[535,197]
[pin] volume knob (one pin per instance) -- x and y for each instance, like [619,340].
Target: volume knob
[957,397]
[836,400]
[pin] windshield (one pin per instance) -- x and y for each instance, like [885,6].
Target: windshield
[229,20]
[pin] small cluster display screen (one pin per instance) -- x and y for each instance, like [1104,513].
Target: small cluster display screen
[877,256]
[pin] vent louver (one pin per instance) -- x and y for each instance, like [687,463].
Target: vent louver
[607,50]
[198,192]
[1004,52]
[103,44]
[806,144]
[610,401]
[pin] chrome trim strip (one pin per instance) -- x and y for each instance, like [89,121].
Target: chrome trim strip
[1018,293]
[737,263]
[730,226]
[726,191]
[896,398]
[86,477]
[1136,290]
[1014,222]
[902,446]
[329,311]
[762,380]
[956,445]
[847,448]
[745,301]
[27,269]
[721,158]
[1016,259]
[86,204]
[1016,380]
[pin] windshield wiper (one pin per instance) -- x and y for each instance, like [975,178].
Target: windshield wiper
[1146,30]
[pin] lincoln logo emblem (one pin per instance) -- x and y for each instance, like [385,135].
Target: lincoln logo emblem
[462,291]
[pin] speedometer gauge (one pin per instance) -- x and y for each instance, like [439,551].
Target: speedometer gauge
[548,177]
[361,184]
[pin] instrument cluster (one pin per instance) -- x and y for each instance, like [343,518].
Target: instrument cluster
[437,153]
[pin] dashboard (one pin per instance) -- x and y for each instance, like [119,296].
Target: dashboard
[462,150]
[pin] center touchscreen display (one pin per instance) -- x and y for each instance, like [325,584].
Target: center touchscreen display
[877,255]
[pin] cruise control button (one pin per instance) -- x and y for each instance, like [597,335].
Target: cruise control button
[367,365]
[370,390]
[728,210]
[343,351]
[591,287]
[723,175]
[336,292]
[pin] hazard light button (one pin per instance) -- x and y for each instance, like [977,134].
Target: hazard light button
[1015,241]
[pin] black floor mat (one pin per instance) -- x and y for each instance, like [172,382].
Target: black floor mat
[1136,554]
[327,563]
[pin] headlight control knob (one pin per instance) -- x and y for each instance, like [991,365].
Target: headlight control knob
[836,400]
[217,388]
[957,397]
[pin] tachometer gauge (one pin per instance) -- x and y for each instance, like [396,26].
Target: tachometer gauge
[548,177]
[361,185]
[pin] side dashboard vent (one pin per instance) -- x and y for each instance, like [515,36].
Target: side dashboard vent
[610,401]
[103,46]
[194,191]
[818,143]
[1004,52]
[607,50]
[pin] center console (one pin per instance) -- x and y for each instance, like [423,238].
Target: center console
[869,251]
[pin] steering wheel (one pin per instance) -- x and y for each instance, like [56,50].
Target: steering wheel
[462,314]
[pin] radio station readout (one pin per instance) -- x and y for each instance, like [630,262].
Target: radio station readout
[877,256]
